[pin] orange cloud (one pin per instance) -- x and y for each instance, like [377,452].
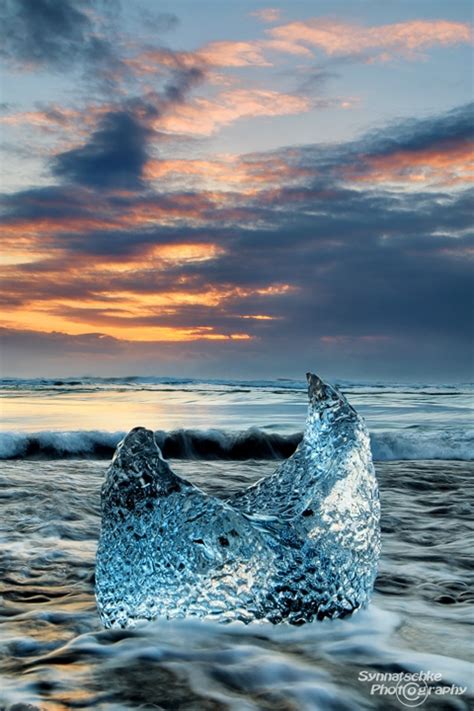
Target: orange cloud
[226,172]
[18,232]
[110,306]
[203,116]
[383,42]
[450,163]
[186,252]
[31,320]
[162,256]
[261,317]
[21,253]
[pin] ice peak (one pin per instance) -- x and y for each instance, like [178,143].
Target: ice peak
[300,544]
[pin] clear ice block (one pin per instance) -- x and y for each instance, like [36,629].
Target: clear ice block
[301,544]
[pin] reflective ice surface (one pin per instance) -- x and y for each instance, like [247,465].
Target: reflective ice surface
[302,543]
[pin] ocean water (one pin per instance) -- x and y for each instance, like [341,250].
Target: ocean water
[87,417]
[223,436]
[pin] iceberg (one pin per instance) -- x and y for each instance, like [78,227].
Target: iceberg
[301,544]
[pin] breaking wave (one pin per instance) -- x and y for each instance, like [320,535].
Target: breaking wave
[216,444]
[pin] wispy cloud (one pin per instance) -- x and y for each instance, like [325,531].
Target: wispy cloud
[228,172]
[375,43]
[203,116]
[267,14]
[212,55]
[302,39]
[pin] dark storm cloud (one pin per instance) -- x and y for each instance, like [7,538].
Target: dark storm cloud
[414,135]
[52,35]
[439,134]
[51,201]
[80,35]
[114,155]
[44,31]
[116,152]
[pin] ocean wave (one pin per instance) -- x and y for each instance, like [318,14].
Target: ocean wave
[415,445]
[58,445]
[216,444]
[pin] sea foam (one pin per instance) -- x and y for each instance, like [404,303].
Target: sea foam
[214,444]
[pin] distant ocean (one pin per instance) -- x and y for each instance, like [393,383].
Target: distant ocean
[222,435]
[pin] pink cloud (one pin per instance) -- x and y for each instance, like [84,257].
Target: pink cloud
[301,38]
[202,117]
[52,118]
[267,14]
[448,163]
[383,42]
[226,172]
[233,54]
[213,54]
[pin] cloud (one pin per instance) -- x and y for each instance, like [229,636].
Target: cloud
[333,264]
[45,118]
[248,175]
[436,151]
[381,43]
[440,165]
[267,14]
[302,38]
[58,36]
[45,32]
[156,21]
[419,134]
[114,156]
[202,116]
[361,249]
[61,354]
[212,55]
[232,54]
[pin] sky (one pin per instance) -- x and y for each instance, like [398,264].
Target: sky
[233,189]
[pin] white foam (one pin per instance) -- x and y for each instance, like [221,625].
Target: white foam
[416,444]
[455,444]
